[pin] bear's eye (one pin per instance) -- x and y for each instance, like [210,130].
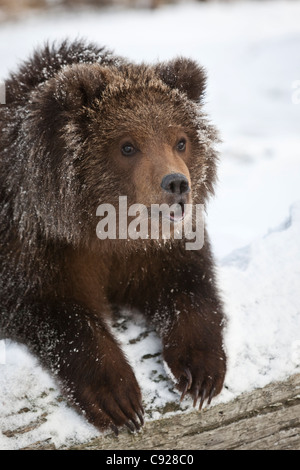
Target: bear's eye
[181,146]
[128,150]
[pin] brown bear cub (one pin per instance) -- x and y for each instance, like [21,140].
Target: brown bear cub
[80,128]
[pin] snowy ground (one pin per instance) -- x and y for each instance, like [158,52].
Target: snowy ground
[251,52]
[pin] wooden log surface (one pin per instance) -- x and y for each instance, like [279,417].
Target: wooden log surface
[264,419]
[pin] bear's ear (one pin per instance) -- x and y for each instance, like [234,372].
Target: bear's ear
[79,85]
[185,75]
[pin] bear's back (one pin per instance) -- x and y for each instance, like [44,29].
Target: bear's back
[45,63]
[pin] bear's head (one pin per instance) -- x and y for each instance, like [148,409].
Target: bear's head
[125,130]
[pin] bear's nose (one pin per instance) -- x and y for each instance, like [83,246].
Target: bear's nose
[175,183]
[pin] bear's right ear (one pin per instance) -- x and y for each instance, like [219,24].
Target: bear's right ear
[185,75]
[79,85]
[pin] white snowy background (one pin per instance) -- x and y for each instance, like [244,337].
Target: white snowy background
[251,51]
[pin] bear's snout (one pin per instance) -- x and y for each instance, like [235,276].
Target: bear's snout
[176,188]
[176,183]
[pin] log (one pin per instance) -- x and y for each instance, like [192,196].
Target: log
[264,419]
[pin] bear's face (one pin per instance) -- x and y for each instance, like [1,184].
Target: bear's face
[134,131]
[145,146]
[158,166]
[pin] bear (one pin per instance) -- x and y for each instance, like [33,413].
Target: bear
[81,127]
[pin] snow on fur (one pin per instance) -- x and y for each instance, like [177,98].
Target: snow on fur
[250,58]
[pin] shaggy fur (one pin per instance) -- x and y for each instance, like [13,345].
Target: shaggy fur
[69,110]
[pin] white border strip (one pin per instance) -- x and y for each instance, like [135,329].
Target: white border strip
[2,93]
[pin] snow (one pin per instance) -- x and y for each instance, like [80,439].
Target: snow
[250,50]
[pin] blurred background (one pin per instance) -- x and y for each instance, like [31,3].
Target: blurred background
[250,50]
[15,7]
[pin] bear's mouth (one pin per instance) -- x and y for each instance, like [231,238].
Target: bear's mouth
[178,214]
[174,213]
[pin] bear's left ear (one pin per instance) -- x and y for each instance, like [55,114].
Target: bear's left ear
[79,85]
[185,75]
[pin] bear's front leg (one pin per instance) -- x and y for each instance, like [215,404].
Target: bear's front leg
[193,350]
[77,346]
[188,313]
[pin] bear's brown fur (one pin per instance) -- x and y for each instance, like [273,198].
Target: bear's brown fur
[82,127]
